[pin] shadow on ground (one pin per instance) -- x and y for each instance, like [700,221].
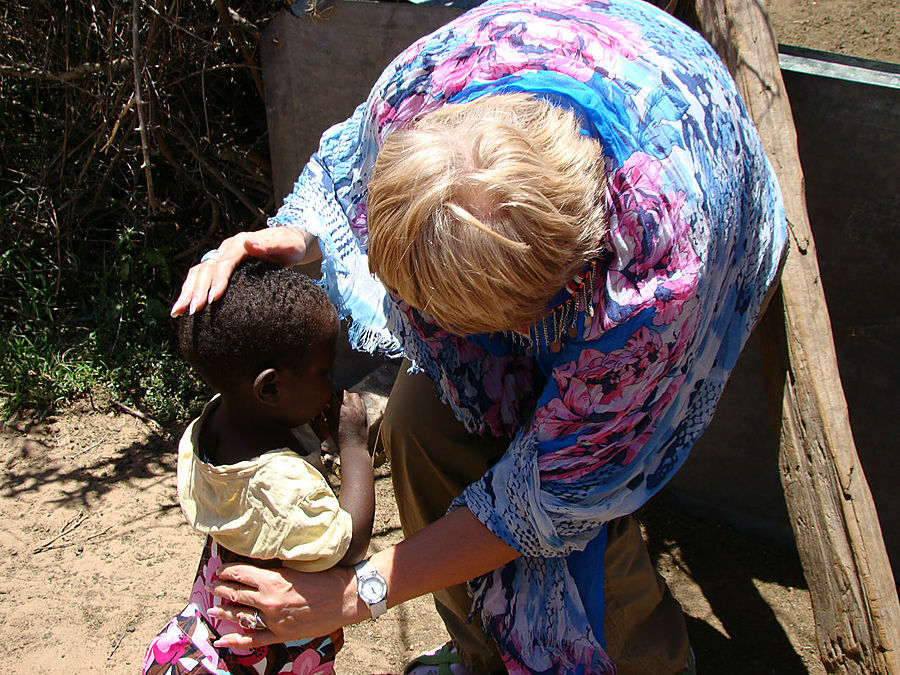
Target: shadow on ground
[85,469]
[724,565]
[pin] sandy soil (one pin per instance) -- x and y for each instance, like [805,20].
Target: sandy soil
[866,28]
[95,556]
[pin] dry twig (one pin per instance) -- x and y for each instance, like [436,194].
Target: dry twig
[75,542]
[116,645]
[115,129]
[134,413]
[128,629]
[87,449]
[85,69]
[69,527]
[225,16]
[139,103]
[218,175]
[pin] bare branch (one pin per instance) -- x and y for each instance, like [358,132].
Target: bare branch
[226,18]
[85,69]
[139,103]
[248,26]
[219,176]
[115,128]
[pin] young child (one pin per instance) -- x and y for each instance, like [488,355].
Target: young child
[249,468]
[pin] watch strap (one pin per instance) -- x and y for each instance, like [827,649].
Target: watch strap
[378,608]
[365,570]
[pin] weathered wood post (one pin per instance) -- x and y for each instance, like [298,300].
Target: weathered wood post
[835,523]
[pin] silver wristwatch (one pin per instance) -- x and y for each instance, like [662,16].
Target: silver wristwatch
[371,588]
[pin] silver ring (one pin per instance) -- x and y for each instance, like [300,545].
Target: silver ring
[210,255]
[252,621]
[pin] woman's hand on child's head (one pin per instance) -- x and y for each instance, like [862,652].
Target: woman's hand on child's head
[206,281]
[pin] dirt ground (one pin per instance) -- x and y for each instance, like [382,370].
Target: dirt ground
[865,28]
[95,556]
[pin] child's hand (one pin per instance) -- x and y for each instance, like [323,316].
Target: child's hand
[349,427]
[357,495]
[319,424]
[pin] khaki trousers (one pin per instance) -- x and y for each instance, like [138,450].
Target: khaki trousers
[433,458]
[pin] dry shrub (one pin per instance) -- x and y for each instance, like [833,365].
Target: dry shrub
[132,137]
[145,111]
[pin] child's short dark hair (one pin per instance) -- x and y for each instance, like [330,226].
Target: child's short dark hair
[267,318]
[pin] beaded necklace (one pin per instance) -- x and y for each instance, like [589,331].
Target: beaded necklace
[561,320]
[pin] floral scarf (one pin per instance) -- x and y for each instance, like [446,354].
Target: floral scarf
[696,238]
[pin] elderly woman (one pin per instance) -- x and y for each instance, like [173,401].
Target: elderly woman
[572,229]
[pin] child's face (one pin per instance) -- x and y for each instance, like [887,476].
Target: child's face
[306,390]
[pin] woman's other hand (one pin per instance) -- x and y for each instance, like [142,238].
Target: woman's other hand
[206,281]
[293,605]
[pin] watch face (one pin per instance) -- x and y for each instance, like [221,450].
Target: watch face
[372,589]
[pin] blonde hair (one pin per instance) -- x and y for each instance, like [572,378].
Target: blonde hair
[481,212]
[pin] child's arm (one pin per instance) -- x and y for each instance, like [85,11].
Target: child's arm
[357,484]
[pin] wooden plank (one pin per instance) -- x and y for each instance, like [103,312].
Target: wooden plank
[833,516]
[317,71]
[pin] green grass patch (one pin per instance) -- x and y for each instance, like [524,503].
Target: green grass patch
[97,320]
[104,205]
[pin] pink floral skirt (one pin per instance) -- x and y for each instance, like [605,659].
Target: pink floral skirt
[185,645]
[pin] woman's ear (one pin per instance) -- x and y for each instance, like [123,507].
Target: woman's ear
[265,387]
